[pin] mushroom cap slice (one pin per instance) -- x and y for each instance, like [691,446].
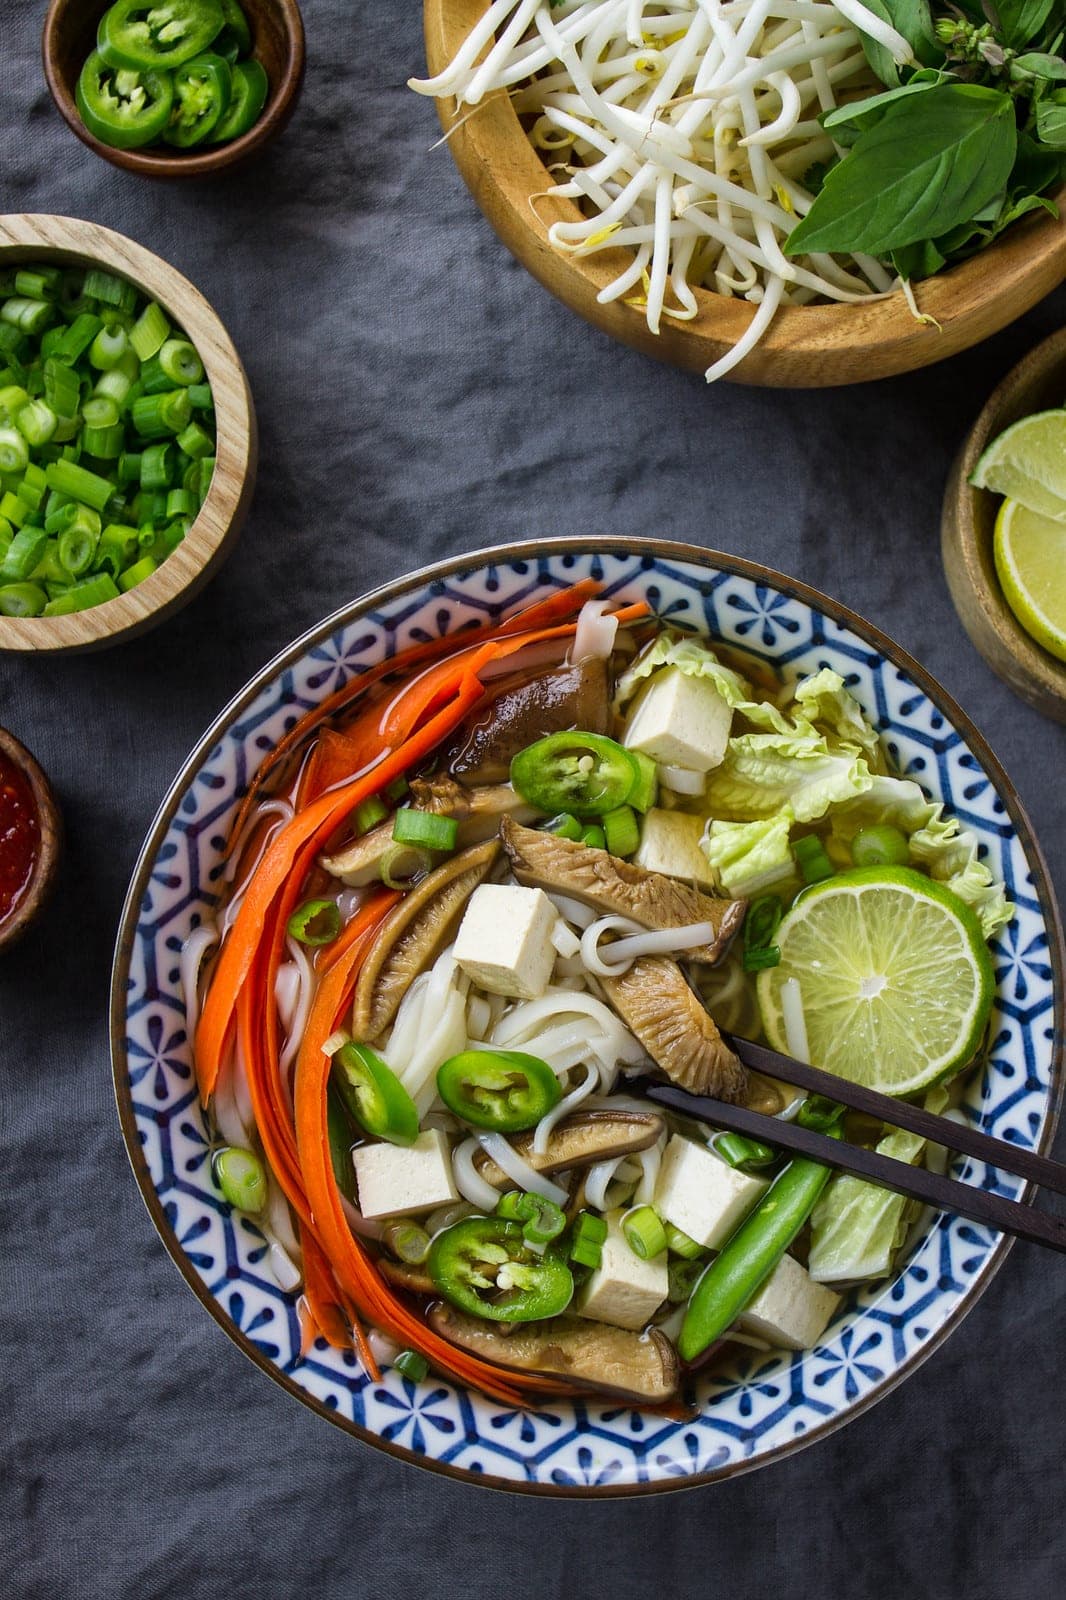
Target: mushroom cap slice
[478,812]
[675,1028]
[590,1355]
[524,709]
[578,1140]
[618,888]
[413,935]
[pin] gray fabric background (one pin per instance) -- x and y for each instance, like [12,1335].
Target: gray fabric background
[418,396]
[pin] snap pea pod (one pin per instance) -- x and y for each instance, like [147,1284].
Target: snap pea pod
[749,1256]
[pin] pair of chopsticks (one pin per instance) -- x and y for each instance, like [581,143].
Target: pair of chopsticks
[932,1188]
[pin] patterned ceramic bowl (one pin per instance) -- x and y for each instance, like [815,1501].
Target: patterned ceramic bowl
[764,1405]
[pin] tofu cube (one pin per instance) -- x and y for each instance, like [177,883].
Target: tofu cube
[397,1180]
[504,942]
[670,843]
[623,1290]
[790,1309]
[701,1194]
[680,721]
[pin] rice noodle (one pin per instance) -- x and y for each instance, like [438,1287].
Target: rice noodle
[469,1182]
[795,1022]
[518,1169]
[365,1227]
[649,1162]
[595,633]
[597,1181]
[644,942]
[551,1119]
[193,951]
[304,996]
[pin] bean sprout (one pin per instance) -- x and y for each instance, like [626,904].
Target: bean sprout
[689,133]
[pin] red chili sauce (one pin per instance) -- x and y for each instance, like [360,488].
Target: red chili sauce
[20,836]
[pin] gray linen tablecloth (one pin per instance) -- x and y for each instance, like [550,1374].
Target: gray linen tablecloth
[419,396]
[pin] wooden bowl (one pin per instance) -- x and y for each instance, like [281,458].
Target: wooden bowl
[805,346]
[173,584]
[967,528]
[278,42]
[44,876]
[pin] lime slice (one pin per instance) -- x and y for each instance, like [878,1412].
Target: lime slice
[894,974]
[1030,553]
[1028,463]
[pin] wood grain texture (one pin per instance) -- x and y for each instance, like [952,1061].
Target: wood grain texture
[36,897]
[68,240]
[968,528]
[806,346]
[278,43]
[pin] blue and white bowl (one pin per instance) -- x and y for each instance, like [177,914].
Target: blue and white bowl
[763,1405]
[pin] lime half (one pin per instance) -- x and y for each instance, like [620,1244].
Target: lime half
[1030,553]
[1027,462]
[895,978]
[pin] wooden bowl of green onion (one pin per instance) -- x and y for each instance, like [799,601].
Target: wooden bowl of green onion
[661,215]
[119,499]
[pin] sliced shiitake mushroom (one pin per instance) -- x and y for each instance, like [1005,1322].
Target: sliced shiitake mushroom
[412,936]
[579,1140]
[676,1029]
[590,1355]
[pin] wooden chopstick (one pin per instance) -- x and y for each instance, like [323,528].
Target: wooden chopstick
[932,1188]
[940,1130]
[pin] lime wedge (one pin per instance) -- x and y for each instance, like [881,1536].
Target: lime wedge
[1027,462]
[894,974]
[1030,552]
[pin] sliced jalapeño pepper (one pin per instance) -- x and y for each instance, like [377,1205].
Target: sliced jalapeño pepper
[583,773]
[158,34]
[484,1266]
[201,99]
[504,1090]
[237,24]
[374,1095]
[123,107]
[248,95]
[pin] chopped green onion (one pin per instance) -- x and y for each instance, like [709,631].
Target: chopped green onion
[111,291]
[586,1239]
[425,828]
[396,790]
[181,503]
[811,857]
[150,332]
[594,838]
[195,442]
[82,596]
[880,846]
[129,467]
[114,385]
[108,348]
[742,1153]
[644,1232]
[543,1220]
[22,600]
[61,388]
[316,922]
[566,826]
[12,509]
[404,864]
[201,397]
[242,1178]
[40,283]
[412,1366]
[14,451]
[23,554]
[79,484]
[28,316]
[157,466]
[79,336]
[621,831]
[368,813]
[37,422]
[137,573]
[100,412]
[76,548]
[680,1243]
[157,415]
[105,444]
[181,363]
[408,1242]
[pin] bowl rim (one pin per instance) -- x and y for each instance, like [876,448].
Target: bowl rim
[53,236]
[50,819]
[217,158]
[1037,675]
[816,346]
[421,578]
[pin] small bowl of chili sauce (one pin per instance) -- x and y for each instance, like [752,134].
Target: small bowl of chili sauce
[29,839]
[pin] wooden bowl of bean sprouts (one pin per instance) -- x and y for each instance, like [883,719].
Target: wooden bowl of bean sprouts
[652,257]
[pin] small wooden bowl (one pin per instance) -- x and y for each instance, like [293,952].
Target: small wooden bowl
[967,528]
[805,346]
[44,876]
[181,575]
[278,42]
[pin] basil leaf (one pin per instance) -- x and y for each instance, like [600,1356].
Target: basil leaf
[1037,65]
[913,19]
[846,122]
[1035,169]
[931,162]
[1021,20]
[1050,121]
[919,260]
